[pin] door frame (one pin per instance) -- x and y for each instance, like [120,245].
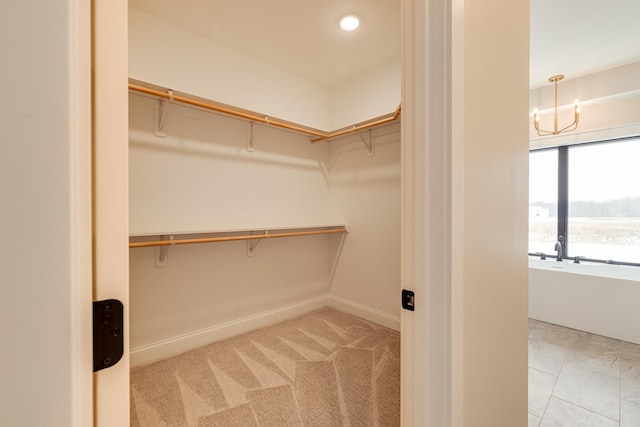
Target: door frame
[464,212]
[426,231]
[111,195]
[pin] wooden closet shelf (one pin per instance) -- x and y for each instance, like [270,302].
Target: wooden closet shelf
[267,234]
[315,134]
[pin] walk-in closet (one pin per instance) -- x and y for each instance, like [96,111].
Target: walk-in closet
[264,215]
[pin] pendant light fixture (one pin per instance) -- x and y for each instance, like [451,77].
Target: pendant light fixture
[556,131]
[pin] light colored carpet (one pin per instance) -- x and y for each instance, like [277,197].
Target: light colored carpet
[326,368]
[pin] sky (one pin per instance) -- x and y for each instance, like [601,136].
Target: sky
[597,172]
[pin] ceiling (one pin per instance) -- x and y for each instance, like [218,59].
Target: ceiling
[579,37]
[302,37]
[570,37]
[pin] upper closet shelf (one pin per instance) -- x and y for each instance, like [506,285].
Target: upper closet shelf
[316,135]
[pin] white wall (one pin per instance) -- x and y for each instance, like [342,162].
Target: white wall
[201,177]
[205,287]
[45,218]
[490,180]
[609,103]
[367,191]
[373,94]
[167,55]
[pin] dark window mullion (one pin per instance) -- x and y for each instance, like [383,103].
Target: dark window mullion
[563,198]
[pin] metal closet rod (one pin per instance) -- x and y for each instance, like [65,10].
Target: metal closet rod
[233,238]
[319,135]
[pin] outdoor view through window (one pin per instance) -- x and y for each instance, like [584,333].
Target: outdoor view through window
[602,203]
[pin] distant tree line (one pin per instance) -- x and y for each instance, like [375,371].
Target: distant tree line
[628,207]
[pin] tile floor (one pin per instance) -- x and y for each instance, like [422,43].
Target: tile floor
[581,379]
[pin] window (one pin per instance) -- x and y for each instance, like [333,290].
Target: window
[543,200]
[587,197]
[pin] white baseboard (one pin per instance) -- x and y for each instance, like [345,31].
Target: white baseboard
[368,313]
[180,344]
[171,347]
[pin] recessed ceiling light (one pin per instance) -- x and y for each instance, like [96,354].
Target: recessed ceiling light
[349,22]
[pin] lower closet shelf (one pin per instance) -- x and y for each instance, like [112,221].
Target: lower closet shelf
[162,241]
[217,236]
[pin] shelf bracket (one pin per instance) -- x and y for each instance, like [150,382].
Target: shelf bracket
[251,148]
[253,244]
[161,252]
[369,144]
[338,252]
[164,106]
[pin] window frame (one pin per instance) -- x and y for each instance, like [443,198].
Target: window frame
[562,229]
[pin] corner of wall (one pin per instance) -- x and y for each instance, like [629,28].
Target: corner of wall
[373,94]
